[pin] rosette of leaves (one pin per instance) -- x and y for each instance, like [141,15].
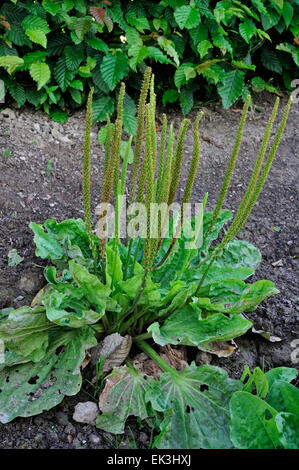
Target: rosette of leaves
[155,291]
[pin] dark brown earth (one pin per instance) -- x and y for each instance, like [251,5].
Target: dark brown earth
[41,178]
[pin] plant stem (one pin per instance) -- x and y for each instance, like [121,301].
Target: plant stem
[155,356]
[142,337]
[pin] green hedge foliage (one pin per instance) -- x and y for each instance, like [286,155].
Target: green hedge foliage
[52,52]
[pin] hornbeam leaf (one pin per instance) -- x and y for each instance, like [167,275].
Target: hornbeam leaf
[114,68]
[37,36]
[40,72]
[196,406]
[231,88]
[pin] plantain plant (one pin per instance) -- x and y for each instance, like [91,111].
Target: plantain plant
[119,285]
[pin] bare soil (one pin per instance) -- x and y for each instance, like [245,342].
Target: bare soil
[40,178]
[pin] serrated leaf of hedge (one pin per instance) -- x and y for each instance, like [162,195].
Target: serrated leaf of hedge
[40,72]
[33,22]
[231,88]
[37,36]
[114,68]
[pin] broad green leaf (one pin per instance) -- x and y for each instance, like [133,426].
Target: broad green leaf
[76,95]
[252,422]
[253,295]
[70,232]
[123,396]
[288,426]
[131,287]
[239,254]
[196,405]
[95,291]
[185,326]
[28,389]
[231,88]
[73,319]
[46,245]
[115,272]
[114,68]
[25,332]
[286,374]
[187,17]
[37,36]
[284,397]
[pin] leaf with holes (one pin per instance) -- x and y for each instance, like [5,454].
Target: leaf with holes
[186,327]
[253,422]
[28,389]
[288,425]
[195,402]
[25,332]
[40,72]
[123,396]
